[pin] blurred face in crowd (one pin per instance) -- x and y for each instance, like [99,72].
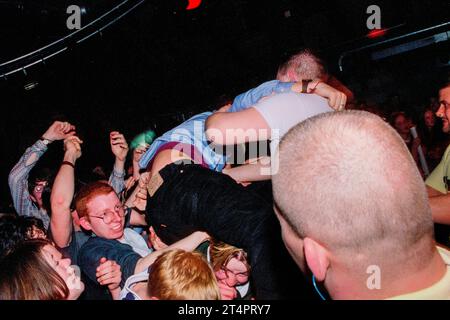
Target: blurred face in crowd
[106,216]
[36,195]
[402,124]
[64,270]
[235,273]
[429,119]
[444,108]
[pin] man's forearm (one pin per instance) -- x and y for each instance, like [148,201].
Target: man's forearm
[440,208]
[61,198]
[188,244]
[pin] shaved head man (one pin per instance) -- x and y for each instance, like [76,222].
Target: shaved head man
[352,206]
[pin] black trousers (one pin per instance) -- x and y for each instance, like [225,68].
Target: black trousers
[193,198]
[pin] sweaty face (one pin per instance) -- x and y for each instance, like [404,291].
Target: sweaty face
[444,108]
[106,216]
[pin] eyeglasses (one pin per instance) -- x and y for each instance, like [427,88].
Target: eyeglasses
[108,215]
[241,277]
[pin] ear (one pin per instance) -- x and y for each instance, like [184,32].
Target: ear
[317,258]
[85,223]
[292,75]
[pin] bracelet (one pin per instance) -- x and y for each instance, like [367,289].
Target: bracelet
[312,90]
[68,163]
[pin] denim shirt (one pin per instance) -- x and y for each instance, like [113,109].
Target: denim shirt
[190,132]
[96,248]
[251,97]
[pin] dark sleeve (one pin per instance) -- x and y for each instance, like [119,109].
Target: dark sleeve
[96,248]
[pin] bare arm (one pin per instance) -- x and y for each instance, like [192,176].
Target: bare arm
[440,206]
[188,244]
[62,194]
[253,171]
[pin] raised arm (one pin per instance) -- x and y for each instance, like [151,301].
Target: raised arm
[62,194]
[188,244]
[119,148]
[18,177]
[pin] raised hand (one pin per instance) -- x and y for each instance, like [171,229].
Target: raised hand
[72,146]
[59,131]
[119,145]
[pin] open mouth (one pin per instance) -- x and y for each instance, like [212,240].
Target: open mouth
[116,227]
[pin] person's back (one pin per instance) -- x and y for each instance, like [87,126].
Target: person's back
[353,208]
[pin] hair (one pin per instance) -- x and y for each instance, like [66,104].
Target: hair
[26,275]
[305,64]
[39,174]
[180,275]
[87,193]
[221,253]
[347,180]
[14,230]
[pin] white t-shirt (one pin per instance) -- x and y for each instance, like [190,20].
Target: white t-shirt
[136,241]
[285,110]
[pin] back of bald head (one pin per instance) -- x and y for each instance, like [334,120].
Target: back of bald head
[347,180]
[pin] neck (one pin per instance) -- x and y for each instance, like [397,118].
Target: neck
[141,290]
[343,285]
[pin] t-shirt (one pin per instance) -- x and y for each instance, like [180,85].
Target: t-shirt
[285,110]
[439,291]
[437,179]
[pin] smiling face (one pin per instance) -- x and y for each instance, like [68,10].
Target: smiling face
[100,206]
[444,108]
[64,270]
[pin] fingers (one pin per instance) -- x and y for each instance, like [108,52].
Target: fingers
[108,272]
[227,292]
[118,139]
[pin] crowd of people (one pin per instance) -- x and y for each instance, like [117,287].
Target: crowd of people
[338,193]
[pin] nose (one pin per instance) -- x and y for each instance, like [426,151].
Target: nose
[231,281]
[440,112]
[65,262]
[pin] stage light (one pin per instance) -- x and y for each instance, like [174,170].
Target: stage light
[376,33]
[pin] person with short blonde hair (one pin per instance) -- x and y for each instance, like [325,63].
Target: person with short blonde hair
[181,275]
[349,198]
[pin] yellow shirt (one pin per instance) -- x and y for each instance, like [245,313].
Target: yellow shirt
[436,179]
[439,291]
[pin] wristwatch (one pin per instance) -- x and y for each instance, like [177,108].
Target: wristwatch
[45,141]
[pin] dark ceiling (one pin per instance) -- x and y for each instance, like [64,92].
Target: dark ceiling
[161,59]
